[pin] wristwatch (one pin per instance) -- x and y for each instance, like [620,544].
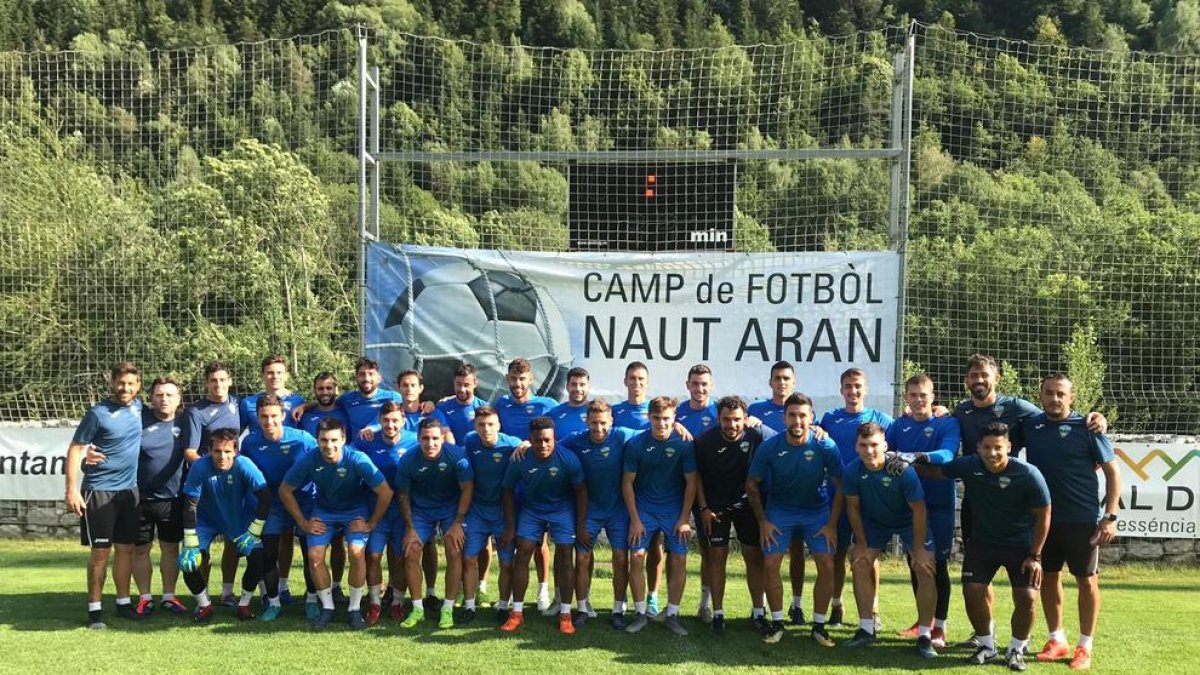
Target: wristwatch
[1110,517]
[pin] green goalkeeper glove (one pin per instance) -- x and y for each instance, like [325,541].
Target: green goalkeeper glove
[251,538]
[189,555]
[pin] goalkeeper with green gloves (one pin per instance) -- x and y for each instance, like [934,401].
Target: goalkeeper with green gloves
[220,492]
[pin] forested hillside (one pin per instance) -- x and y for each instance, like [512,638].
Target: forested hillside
[173,192]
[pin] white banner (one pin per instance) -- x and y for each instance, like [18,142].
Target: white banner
[428,308]
[33,462]
[1160,485]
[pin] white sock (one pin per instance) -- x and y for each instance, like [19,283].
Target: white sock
[94,606]
[356,598]
[283,585]
[940,623]
[867,625]
[146,596]
[1085,641]
[483,586]
[274,602]
[837,602]
[757,612]
[819,618]
[518,606]
[797,601]
[202,599]
[244,601]
[430,591]
[639,607]
[988,641]
[448,604]
[501,604]
[124,601]
[398,595]
[618,606]
[653,597]
[1059,635]
[376,594]
[226,589]
[718,612]
[325,596]
[923,631]
[582,604]
[672,610]
[1017,645]
[564,608]
[310,597]
[168,596]
[777,616]
[705,596]
[469,603]
[543,590]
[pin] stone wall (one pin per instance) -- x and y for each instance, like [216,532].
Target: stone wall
[37,520]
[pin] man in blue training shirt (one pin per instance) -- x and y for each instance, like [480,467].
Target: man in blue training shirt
[107,503]
[517,409]
[160,479]
[385,450]
[1010,532]
[1060,445]
[634,411]
[434,489]
[659,487]
[699,413]
[362,405]
[601,453]
[792,468]
[226,495]
[842,426]
[457,413]
[923,438]
[344,478]
[217,410]
[274,371]
[488,451]
[881,505]
[570,416]
[554,502]
[275,449]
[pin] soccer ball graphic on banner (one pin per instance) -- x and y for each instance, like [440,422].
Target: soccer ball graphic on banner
[462,312]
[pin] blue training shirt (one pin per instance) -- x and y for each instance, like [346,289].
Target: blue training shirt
[116,430]
[248,410]
[632,415]
[661,467]
[344,485]
[515,417]
[792,475]
[568,419]
[363,411]
[770,413]
[276,458]
[696,421]
[434,484]
[386,455]
[548,485]
[459,417]
[205,416]
[312,418]
[842,427]
[489,466]
[1000,503]
[1068,455]
[160,461]
[226,501]
[884,500]
[603,465]
[1007,409]
[937,437]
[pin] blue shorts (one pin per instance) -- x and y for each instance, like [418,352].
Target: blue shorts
[941,528]
[484,522]
[878,536]
[660,522]
[804,523]
[206,535]
[337,522]
[531,523]
[428,522]
[278,520]
[390,530]
[614,524]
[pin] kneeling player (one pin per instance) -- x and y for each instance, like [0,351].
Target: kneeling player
[554,502]
[880,505]
[344,478]
[219,490]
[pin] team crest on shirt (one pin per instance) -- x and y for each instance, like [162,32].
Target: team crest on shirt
[229,479]
[1004,481]
[441,466]
[1064,430]
[529,409]
[341,472]
[471,414]
[808,455]
[605,451]
[670,452]
[886,480]
[998,411]
[928,432]
[706,420]
[231,407]
[553,471]
[497,457]
[745,446]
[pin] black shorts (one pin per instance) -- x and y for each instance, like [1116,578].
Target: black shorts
[110,518]
[740,520]
[964,519]
[1071,543]
[164,516]
[981,562]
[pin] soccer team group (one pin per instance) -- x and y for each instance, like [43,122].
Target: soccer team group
[372,476]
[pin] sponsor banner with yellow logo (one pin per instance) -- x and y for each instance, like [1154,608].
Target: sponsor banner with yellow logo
[1160,484]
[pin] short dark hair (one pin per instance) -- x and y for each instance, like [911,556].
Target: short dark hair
[920,379]
[635,365]
[391,407]
[365,362]
[428,423]
[994,429]
[852,372]
[268,400]
[486,411]
[797,399]
[578,372]
[410,373]
[330,424]
[699,369]
[782,365]
[465,369]
[125,368]
[165,379]
[324,375]
[867,429]
[599,405]
[1060,376]
[731,403]
[540,423]
[519,366]
[272,360]
[662,403]
[225,435]
[978,360]
[216,367]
